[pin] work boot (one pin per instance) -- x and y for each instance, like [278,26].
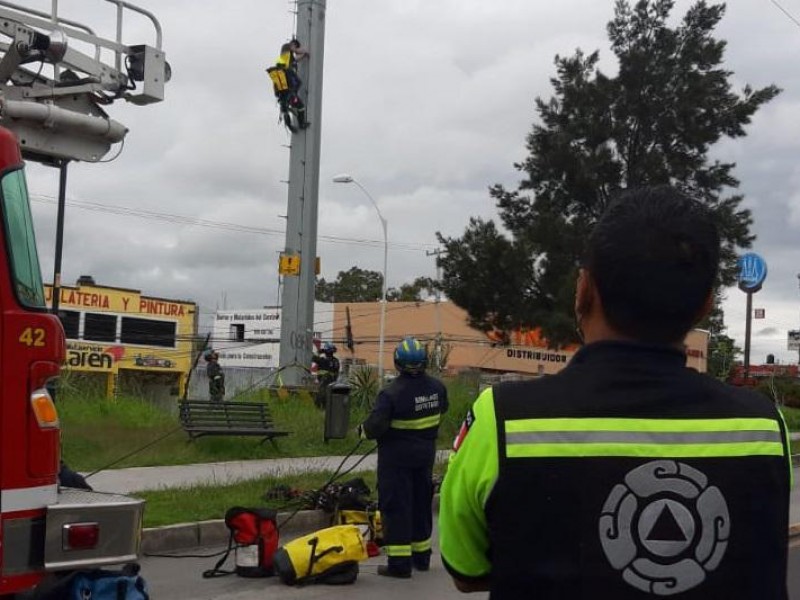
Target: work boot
[421,561]
[421,564]
[387,571]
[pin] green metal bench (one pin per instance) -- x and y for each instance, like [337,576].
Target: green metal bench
[201,418]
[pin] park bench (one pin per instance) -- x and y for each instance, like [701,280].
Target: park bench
[202,417]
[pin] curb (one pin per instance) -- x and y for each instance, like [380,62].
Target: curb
[187,536]
[794,531]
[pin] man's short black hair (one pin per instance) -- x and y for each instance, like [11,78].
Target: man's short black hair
[654,257]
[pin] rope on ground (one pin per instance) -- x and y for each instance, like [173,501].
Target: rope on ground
[145,447]
[336,475]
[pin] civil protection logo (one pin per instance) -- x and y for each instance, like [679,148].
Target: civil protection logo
[665,528]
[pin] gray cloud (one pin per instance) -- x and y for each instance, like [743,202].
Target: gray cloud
[426,103]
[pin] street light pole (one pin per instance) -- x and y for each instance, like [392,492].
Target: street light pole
[384,225]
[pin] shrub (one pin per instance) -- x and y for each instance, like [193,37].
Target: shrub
[783,390]
[364,386]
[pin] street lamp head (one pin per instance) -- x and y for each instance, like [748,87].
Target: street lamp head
[343,178]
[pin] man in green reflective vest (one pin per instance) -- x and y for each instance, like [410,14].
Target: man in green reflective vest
[627,475]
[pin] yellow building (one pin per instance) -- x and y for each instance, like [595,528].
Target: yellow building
[126,339]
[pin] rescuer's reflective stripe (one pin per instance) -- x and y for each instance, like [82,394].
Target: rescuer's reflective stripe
[422,423]
[422,546]
[643,437]
[789,455]
[398,550]
[28,498]
[284,60]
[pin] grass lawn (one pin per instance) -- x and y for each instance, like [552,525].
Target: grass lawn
[203,503]
[98,431]
[792,416]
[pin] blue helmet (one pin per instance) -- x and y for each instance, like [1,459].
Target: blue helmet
[328,348]
[410,357]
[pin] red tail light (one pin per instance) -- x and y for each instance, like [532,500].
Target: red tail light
[80,536]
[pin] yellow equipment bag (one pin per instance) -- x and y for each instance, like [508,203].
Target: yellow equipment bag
[326,556]
[368,518]
[278,77]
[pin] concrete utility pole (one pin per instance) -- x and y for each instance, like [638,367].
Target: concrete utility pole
[297,305]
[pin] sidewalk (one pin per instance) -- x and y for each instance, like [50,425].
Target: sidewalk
[137,479]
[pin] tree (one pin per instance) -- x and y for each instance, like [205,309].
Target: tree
[353,285]
[412,292]
[722,352]
[652,123]
[362,285]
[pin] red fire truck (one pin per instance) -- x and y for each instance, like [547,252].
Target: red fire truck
[42,528]
[53,109]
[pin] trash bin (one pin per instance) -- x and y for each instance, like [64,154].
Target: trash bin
[337,411]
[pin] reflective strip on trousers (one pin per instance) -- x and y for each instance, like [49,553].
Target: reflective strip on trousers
[643,437]
[423,423]
[422,546]
[398,550]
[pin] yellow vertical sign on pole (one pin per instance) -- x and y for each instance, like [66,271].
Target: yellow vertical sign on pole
[289,265]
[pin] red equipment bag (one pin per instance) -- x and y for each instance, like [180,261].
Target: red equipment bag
[254,539]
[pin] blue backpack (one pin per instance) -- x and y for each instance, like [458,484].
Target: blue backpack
[96,584]
[108,585]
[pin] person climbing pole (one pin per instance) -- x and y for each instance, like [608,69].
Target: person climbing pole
[286,82]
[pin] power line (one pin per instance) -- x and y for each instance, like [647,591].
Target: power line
[786,12]
[177,219]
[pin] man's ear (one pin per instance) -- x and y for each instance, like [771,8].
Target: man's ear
[707,307]
[584,293]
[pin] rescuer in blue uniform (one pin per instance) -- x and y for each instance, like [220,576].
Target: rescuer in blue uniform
[405,422]
[627,475]
[327,368]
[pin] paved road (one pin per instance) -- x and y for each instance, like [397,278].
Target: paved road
[181,579]
[794,570]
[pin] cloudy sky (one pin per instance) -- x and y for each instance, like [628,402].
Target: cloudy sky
[425,103]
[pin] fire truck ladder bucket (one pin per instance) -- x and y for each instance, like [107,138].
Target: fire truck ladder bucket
[58,112]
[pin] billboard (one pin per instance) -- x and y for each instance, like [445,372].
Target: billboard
[793,342]
[251,338]
[109,329]
[114,331]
